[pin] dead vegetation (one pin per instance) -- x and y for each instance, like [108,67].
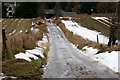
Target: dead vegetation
[81,42]
[23,68]
[22,41]
[88,22]
[19,42]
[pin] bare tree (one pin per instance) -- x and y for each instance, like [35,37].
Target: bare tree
[41,9]
[57,9]
[118,24]
[76,7]
[106,7]
[114,28]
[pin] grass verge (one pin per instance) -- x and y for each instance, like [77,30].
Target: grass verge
[81,42]
[19,43]
[23,41]
[88,22]
[26,70]
[22,68]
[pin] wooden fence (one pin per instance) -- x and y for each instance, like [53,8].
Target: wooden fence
[4,45]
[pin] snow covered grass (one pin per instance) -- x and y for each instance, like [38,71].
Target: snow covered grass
[0,20]
[25,56]
[92,24]
[13,32]
[84,32]
[109,59]
[20,25]
[22,42]
[99,52]
[19,43]
[65,18]
[22,38]
[29,63]
[81,42]
[27,47]
[21,68]
[34,53]
[103,20]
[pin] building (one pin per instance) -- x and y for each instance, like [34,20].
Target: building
[49,13]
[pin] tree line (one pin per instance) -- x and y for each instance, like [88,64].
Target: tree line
[35,9]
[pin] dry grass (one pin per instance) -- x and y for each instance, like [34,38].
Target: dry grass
[20,42]
[16,24]
[65,18]
[88,22]
[47,48]
[23,68]
[81,42]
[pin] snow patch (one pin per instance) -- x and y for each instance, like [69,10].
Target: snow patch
[84,32]
[33,24]
[38,51]
[16,20]
[3,76]
[1,20]
[43,42]
[13,32]
[34,29]
[26,30]
[104,19]
[4,22]
[21,31]
[66,18]
[110,60]
[17,24]
[25,56]
[89,51]
[20,21]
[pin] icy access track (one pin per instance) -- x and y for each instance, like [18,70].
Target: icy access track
[109,59]
[84,32]
[65,61]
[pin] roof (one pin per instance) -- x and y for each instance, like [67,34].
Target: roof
[50,11]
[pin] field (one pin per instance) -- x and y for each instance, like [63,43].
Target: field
[80,42]
[85,38]
[22,35]
[98,22]
[17,26]
[88,22]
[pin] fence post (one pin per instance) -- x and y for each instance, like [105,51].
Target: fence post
[97,39]
[4,47]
